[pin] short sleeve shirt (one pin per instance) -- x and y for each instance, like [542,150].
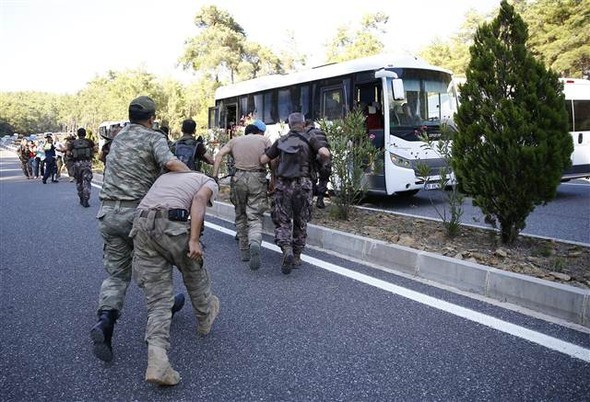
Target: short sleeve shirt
[176,190]
[247,150]
[135,160]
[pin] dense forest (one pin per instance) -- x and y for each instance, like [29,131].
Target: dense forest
[221,53]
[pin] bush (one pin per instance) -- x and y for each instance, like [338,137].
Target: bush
[352,154]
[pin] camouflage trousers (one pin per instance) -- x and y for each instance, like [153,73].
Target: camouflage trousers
[115,224]
[292,205]
[26,167]
[83,175]
[248,194]
[160,244]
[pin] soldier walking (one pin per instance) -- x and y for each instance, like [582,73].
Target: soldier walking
[163,235]
[82,151]
[294,155]
[136,158]
[249,188]
[322,168]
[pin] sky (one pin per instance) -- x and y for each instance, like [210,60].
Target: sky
[60,45]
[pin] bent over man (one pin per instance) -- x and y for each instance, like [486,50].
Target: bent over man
[164,236]
[248,188]
[136,158]
[293,195]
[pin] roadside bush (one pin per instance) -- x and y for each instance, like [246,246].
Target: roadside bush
[352,155]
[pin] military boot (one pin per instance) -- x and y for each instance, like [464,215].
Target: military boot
[102,333]
[159,371]
[254,256]
[288,259]
[296,260]
[178,303]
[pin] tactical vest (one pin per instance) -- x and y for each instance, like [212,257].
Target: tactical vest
[81,149]
[295,156]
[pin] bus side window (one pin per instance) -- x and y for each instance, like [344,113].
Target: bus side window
[332,100]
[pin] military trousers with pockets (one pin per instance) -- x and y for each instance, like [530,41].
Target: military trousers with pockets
[159,245]
[115,223]
[83,175]
[248,193]
[292,205]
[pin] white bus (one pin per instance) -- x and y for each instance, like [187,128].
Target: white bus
[577,98]
[399,95]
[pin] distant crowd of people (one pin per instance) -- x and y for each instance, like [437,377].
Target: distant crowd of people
[45,160]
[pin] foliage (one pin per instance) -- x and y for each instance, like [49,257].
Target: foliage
[559,34]
[512,144]
[221,51]
[452,212]
[352,152]
[348,45]
[453,54]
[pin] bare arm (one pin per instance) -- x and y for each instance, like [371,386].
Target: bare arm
[218,158]
[208,159]
[264,159]
[174,165]
[198,208]
[324,153]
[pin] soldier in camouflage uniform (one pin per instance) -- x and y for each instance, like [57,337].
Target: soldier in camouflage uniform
[68,160]
[163,235]
[248,188]
[82,151]
[295,154]
[322,168]
[137,156]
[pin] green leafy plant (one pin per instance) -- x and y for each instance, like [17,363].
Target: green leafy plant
[353,154]
[451,212]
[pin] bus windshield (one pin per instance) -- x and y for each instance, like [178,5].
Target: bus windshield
[430,100]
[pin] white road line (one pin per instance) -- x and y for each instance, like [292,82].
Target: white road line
[532,336]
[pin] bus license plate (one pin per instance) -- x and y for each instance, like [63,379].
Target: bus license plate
[431,186]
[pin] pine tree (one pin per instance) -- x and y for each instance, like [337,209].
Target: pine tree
[513,145]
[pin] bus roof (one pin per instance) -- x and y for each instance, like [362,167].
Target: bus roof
[326,71]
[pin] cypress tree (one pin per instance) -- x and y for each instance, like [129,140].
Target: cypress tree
[512,144]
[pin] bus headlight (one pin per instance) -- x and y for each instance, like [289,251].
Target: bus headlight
[399,161]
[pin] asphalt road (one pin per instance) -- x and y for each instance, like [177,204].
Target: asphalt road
[331,331]
[567,217]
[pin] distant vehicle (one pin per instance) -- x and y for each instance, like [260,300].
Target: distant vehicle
[577,98]
[108,129]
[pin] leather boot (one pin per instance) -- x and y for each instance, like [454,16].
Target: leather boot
[102,334]
[178,303]
[159,371]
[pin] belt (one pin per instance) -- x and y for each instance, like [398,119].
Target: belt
[177,215]
[252,171]
[123,204]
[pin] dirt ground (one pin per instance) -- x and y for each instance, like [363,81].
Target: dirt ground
[549,260]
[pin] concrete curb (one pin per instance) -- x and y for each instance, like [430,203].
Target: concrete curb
[554,299]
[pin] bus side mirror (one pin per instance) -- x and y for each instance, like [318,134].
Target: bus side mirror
[398,89]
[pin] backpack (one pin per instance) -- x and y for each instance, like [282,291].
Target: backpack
[291,157]
[81,149]
[187,153]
